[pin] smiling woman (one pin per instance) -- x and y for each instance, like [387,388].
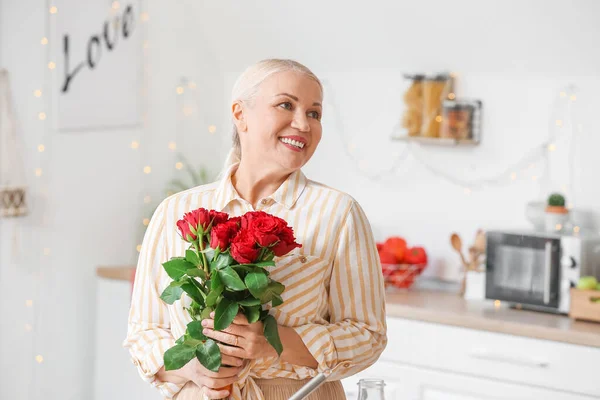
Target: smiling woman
[333,311]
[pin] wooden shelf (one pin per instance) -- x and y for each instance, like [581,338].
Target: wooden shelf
[121,273]
[437,141]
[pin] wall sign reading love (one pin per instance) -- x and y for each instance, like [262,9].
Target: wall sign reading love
[99,64]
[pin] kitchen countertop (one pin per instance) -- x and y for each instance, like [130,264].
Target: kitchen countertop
[447,307]
[438,303]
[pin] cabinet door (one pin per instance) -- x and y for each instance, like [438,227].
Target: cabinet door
[405,382]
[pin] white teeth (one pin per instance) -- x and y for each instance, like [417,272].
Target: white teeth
[292,142]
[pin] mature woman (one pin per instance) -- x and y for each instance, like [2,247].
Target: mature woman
[333,315]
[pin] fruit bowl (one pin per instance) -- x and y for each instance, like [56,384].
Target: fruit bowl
[400,276]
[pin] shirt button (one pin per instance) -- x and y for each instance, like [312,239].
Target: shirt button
[265,202]
[302,259]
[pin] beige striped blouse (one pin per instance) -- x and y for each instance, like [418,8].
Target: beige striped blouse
[334,295]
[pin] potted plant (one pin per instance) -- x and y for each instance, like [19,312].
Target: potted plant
[557,214]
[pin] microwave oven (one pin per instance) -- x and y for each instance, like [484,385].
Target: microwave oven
[536,270]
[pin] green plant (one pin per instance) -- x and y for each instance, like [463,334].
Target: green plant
[556,200]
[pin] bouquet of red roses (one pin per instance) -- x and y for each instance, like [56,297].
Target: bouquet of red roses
[225,270]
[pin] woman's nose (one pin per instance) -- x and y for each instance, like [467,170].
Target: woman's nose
[300,122]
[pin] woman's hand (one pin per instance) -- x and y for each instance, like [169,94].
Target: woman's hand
[244,340]
[209,382]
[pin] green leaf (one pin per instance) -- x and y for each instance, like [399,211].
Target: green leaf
[193,292]
[265,264]
[216,288]
[206,312]
[252,313]
[257,282]
[180,340]
[222,260]
[210,254]
[177,356]
[196,272]
[209,355]
[250,301]
[216,283]
[195,328]
[192,257]
[277,300]
[272,334]
[243,268]
[272,289]
[177,267]
[231,279]
[172,293]
[225,313]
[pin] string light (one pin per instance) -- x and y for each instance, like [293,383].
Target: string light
[179,90]
[147,199]
[37,93]
[192,85]
[187,111]
[179,165]
[451,96]
[44,41]
[135,145]
[551,147]
[144,17]
[42,116]
[147,169]
[212,129]
[172,146]
[558,227]
[138,248]
[438,118]
[28,328]
[559,122]
[51,65]
[513,176]
[38,172]
[46,251]
[569,206]
[53,10]
[115,5]
[573,97]
[39,359]
[497,303]
[29,303]
[563,94]
[146,221]
[576,229]
[534,178]
[41,148]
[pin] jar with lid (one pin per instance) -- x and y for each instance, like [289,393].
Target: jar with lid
[371,389]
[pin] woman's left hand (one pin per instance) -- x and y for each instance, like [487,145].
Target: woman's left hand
[241,339]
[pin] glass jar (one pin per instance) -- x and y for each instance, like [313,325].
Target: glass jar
[435,90]
[371,389]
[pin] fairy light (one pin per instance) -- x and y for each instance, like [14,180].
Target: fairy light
[559,123]
[513,176]
[534,178]
[212,129]
[187,111]
[41,148]
[38,172]
[179,165]
[37,93]
[170,193]
[576,229]
[558,227]
[144,17]
[28,328]
[138,248]
[115,5]
[51,65]
[192,85]
[39,359]
[42,116]
[146,221]
[147,199]
[573,97]
[44,41]
[46,251]
[179,89]
[451,96]
[563,94]
[438,118]
[569,206]
[53,10]
[147,169]
[563,188]
[551,147]
[497,303]
[135,145]
[172,145]
[29,303]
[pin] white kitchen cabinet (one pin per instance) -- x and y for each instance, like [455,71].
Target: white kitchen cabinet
[428,361]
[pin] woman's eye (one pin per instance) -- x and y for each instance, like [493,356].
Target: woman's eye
[314,114]
[287,105]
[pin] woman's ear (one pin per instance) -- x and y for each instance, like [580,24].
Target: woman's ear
[237,111]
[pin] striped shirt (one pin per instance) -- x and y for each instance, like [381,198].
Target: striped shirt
[334,296]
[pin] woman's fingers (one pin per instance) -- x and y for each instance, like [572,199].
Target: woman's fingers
[214,394]
[232,329]
[222,337]
[224,372]
[231,361]
[217,383]
[236,352]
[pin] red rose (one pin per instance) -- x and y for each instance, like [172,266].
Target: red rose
[265,229]
[286,243]
[217,218]
[251,216]
[244,248]
[191,222]
[222,234]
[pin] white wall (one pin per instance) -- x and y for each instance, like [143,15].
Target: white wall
[514,55]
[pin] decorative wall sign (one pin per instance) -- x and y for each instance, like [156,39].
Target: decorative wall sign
[96,45]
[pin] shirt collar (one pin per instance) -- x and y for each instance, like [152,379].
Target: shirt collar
[287,194]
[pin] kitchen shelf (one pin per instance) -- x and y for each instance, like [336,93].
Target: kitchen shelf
[437,141]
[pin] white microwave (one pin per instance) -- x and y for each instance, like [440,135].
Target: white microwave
[536,270]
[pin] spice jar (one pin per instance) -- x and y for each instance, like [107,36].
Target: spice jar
[412,118]
[459,119]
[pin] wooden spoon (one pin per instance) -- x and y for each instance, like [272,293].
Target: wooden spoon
[457,244]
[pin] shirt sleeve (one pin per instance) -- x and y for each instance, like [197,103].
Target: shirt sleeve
[356,335]
[149,330]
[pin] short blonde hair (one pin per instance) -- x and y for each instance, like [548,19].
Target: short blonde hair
[247,85]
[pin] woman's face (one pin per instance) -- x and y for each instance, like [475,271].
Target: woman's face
[281,127]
